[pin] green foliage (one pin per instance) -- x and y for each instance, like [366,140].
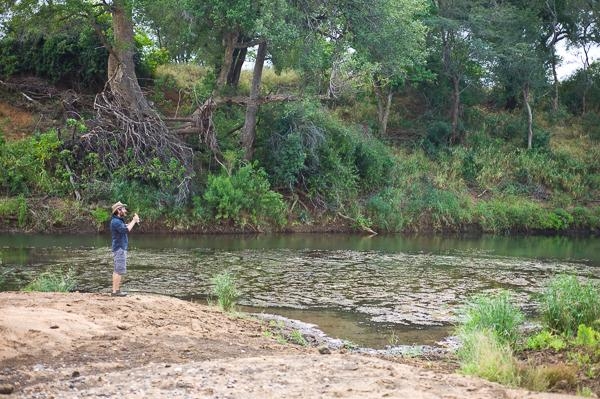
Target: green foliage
[438,136]
[288,159]
[546,340]
[418,206]
[101,216]
[34,166]
[244,197]
[223,287]
[495,313]
[304,147]
[505,214]
[14,208]
[587,336]
[483,354]
[297,338]
[566,303]
[74,56]
[146,200]
[56,280]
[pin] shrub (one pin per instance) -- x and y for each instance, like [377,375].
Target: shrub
[304,147]
[437,137]
[483,354]
[559,219]
[34,166]
[244,197]
[566,303]
[385,210]
[495,313]
[53,281]
[225,290]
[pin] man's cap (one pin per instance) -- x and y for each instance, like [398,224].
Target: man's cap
[118,205]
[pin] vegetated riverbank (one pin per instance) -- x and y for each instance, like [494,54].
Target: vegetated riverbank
[63,216]
[94,345]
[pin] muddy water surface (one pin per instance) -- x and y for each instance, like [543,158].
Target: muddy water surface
[371,291]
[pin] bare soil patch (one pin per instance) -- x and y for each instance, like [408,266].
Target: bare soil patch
[145,346]
[15,123]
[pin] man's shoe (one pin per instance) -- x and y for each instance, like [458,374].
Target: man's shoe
[119,293]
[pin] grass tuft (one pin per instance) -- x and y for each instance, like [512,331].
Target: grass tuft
[225,290]
[566,303]
[56,280]
[495,313]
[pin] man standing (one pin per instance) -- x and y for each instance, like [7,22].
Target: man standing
[119,230]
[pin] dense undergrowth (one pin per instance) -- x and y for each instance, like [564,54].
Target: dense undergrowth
[562,354]
[313,170]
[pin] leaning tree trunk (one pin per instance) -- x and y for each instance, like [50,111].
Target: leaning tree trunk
[249,132]
[121,68]
[529,117]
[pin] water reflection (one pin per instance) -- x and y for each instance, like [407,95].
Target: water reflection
[368,288]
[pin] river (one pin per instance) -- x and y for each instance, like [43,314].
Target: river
[372,291]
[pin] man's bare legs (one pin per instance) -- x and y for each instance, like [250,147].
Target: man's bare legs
[116,282]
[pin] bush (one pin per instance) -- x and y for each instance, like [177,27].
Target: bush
[244,197]
[566,303]
[495,313]
[225,291]
[304,147]
[437,137]
[53,281]
[34,166]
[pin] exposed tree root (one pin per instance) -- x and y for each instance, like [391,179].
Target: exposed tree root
[120,135]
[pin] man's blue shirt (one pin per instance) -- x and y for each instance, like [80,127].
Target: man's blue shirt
[118,230]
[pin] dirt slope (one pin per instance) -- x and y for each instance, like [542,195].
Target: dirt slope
[145,346]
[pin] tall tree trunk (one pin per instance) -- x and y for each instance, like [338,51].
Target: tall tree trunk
[249,131]
[455,108]
[529,117]
[384,104]
[555,78]
[121,69]
[239,57]
[230,41]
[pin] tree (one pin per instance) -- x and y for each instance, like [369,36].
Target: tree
[513,53]
[456,52]
[390,36]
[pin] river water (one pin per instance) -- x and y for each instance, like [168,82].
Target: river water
[372,291]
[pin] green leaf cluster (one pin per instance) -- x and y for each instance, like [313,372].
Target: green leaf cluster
[244,197]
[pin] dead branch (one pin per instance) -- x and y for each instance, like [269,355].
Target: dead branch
[361,225]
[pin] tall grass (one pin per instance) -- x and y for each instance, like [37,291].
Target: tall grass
[225,290]
[56,280]
[495,313]
[566,303]
[484,355]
